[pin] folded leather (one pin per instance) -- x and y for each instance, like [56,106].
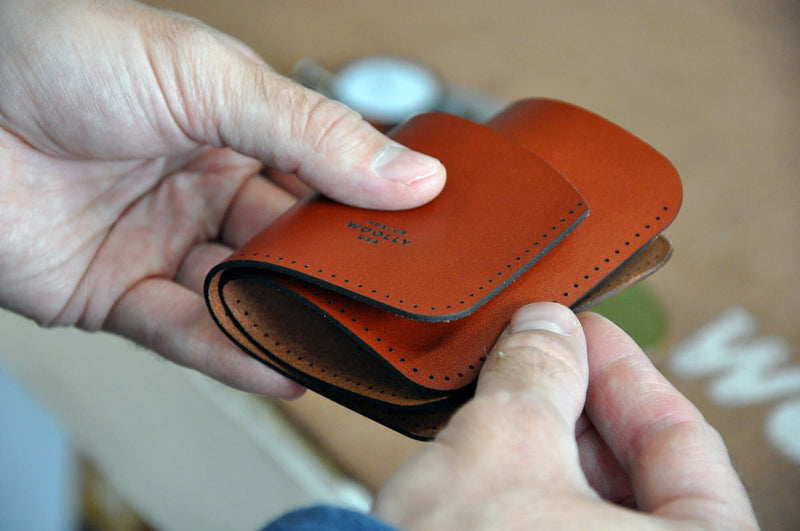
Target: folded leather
[392,313]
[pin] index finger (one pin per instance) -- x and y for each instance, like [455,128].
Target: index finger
[678,463]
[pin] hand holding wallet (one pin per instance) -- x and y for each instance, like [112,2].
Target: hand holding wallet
[392,313]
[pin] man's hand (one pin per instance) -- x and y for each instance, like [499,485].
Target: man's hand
[131,151]
[521,455]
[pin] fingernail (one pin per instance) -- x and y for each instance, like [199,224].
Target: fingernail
[546,316]
[401,165]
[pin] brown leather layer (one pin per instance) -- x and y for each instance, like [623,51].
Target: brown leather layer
[502,209]
[632,189]
[638,267]
[391,314]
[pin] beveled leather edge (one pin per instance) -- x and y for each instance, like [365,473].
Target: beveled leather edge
[242,260]
[642,264]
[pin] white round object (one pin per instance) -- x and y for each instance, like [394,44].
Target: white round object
[387,89]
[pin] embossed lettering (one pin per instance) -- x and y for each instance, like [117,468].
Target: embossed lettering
[372,232]
[368,239]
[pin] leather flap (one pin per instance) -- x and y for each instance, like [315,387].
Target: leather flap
[502,209]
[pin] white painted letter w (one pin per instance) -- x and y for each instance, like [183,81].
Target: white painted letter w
[745,369]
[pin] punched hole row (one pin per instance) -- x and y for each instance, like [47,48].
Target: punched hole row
[607,260]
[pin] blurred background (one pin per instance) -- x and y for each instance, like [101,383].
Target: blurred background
[712,85]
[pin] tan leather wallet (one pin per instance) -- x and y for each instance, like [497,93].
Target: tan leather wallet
[392,313]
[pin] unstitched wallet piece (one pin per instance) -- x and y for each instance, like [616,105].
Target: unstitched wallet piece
[392,313]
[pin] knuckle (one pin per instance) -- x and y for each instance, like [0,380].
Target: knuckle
[691,437]
[179,31]
[691,433]
[503,412]
[179,51]
[536,339]
[533,352]
[326,125]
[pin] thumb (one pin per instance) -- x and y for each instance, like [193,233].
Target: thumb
[335,151]
[508,458]
[541,356]
[530,393]
[230,98]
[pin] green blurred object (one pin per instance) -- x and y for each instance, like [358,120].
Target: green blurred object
[637,311]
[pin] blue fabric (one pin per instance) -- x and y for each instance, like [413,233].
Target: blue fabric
[37,464]
[327,518]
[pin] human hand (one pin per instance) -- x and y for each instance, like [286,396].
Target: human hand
[521,455]
[131,146]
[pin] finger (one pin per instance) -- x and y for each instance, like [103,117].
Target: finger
[288,182]
[600,466]
[252,109]
[198,262]
[256,204]
[530,393]
[243,200]
[173,321]
[677,462]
